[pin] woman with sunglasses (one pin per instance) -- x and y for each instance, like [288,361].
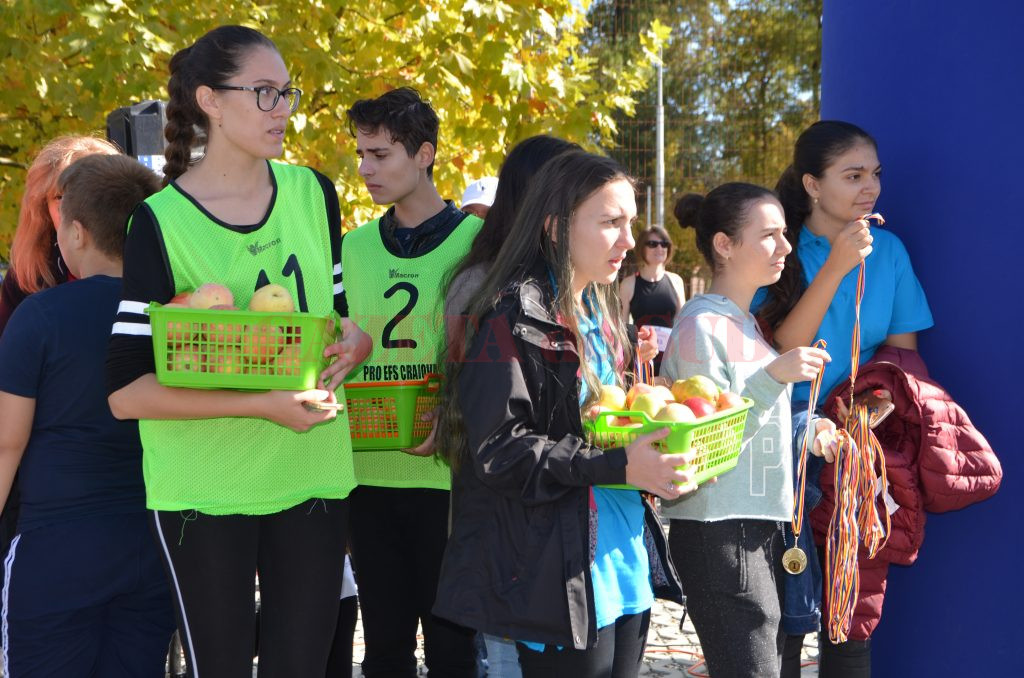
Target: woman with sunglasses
[239,481]
[654,295]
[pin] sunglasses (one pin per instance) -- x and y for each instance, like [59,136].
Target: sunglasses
[658,243]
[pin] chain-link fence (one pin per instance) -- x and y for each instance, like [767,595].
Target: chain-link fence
[740,81]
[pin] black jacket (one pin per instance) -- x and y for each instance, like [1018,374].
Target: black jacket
[517,564]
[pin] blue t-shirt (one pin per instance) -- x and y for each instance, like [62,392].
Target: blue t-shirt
[80,461]
[893,303]
[621,568]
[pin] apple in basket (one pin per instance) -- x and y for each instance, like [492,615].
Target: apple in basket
[697,386]
[676,412]
[700,406]
[180,299]
[728,400]
[211,294]
[227,360]
[262,343]
[289,360]
[221,332]
[635,391]
[272,298]
[612,397]
[186,358]
[648,403]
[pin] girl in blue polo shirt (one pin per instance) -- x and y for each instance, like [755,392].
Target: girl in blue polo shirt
[834,181]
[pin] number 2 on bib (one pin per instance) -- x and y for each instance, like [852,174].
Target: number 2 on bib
[414,295]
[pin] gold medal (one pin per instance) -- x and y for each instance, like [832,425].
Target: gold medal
[794,560]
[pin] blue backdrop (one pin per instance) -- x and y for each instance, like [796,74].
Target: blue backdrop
[940,85]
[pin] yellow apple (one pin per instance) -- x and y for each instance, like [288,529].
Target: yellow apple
[665,392]
[272,299]
[648,403]
[612,397]
[676,412]
[697,386]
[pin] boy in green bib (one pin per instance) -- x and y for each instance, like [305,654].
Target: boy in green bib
[393,272]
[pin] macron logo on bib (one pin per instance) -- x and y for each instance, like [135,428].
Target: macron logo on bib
[256,248]
[395,273]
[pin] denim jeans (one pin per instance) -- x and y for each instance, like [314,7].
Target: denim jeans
[502,657]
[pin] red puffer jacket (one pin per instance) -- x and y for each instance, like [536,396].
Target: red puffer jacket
[935,461]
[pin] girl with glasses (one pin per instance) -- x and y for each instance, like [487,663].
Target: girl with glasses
[654,295]
[239,481]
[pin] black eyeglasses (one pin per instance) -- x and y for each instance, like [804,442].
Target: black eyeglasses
[267,96]
[658,243]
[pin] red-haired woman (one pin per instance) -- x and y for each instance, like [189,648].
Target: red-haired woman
[35,259]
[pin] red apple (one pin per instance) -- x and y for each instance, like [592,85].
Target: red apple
[211,294]
[180,299]
[700,406]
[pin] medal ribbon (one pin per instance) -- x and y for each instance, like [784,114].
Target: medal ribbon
[860,477]
[644,371]
[801,467]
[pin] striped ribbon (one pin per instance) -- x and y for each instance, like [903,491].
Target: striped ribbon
[644,371]
[860,480]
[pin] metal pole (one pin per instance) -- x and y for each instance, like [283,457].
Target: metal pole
[659,181]
[648,205]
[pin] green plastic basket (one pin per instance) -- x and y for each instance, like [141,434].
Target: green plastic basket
[717,438]
[389,415]
[198,348]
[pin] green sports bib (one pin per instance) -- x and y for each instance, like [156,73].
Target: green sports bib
[248,465]
[399,302]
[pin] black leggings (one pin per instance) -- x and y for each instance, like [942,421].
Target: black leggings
[212,563]
[851,659]
[398,541]
[618,653]
[731,572]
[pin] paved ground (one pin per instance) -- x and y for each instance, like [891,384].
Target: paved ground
[671,652]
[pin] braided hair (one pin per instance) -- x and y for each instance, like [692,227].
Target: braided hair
[211,61]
